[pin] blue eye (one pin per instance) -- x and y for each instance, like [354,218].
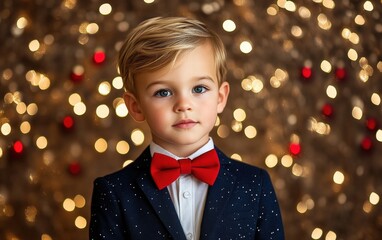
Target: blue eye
[199,89]
[162,93]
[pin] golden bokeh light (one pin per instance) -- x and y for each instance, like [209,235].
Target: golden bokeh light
[239,114]
[123,147]
[69,205]
[42,142]
[331,236]
[297,170]
[104,88]
[120,108]
[352,54]
[105,9]
[297,31]
[287,161]
[374,198]
[229,25]
[368,6]
[272,10]
[22,22]
[328,4]
[317,233]
[32,109]
[326,66]
[271,161]
[331,91]
[323,22]
[290,6]
[378,135]
[250,132]
[245,47]
[45,236]
[34,45]
[74,98]
[138,137]
[338,177]
[30,213]
[223,131]
[236,126]
[80,222]
[357,113]
[79,201]
[100,145]
[117,83]
[102,111]
[79,108]
[127,162]
[21,108]
[237,157]
[304,12]
[257,85]
[6,129]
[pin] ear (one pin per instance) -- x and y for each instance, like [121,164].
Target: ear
[223,96]
[133,106]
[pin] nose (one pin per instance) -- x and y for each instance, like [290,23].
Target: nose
[182,104]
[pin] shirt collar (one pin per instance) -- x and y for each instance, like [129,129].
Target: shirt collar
[155,148]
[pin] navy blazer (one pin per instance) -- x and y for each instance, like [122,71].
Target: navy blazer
[241,204]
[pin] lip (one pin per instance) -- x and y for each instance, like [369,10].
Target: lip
[184,124]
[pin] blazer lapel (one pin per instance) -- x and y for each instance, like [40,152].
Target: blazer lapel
[161,201]
[217,197]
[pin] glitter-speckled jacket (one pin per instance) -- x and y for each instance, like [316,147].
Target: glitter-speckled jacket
[240,205]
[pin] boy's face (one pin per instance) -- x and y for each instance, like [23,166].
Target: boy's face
[180,103]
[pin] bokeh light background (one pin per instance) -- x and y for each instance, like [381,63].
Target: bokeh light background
[305,104]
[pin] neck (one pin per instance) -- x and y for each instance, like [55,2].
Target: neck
[182,151]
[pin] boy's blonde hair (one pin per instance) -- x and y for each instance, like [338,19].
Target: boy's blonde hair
[157,42]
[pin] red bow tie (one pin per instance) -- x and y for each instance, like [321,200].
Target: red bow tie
[165,169]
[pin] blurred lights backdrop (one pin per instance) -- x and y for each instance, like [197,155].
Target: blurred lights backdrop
[305,104]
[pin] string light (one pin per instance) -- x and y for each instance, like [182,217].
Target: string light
[304,95]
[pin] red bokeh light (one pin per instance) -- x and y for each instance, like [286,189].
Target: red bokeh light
[367,144]
[18,147]
[327,110]
[340,73]
[371,124]
[295,148]
[74,168]
[99,56]
[68,122]
[306,72]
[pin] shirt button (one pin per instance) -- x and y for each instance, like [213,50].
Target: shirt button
[187,194]
[189,236]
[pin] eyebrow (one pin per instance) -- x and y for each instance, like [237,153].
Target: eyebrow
[206,77]
[156,82]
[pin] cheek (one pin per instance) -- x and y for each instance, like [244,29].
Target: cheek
[156,116]
[209,103]
[208,109]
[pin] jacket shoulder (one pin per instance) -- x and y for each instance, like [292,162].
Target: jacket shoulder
[239,166]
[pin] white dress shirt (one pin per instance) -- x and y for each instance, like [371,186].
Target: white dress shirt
[188,193]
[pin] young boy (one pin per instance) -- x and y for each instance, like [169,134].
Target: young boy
[181,186]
